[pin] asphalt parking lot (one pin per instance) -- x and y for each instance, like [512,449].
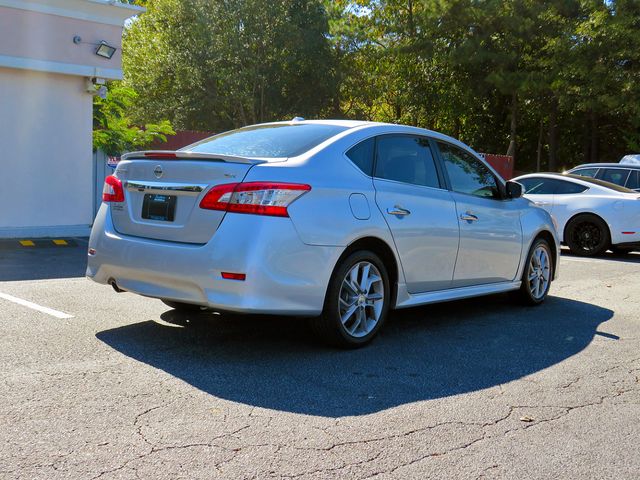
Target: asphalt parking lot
[104,385]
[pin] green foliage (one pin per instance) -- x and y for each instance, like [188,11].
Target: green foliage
[112,129]
[558,79]
[498,74]
[212,65]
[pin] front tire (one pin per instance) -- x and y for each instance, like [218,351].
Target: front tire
[357,301]
[537,275]
[587,235]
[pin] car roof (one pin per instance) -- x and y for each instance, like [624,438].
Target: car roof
[607,165]
[337,122]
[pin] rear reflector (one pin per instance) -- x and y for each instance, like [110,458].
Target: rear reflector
[258,198]
[112,191]
[234,276]
[628,233]
[92,251]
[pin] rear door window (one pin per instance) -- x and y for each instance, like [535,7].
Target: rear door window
[615,175]
[633,182]
[407,159]
[564,188]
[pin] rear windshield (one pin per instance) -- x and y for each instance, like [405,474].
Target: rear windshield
[601,183]
[267,141]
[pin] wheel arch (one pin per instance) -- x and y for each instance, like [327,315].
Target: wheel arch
[550,239]
[579,214]
[386,254]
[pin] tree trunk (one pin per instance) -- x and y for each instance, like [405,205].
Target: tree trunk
[586,139]
[553,136]
[412,28]
[397,108]
[243,117]
[594,137]
[511,151]
[457,127]
[539,152]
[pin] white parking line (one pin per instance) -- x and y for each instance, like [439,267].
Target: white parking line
[35,306]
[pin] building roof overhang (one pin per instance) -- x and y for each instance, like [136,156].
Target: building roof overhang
[110,12]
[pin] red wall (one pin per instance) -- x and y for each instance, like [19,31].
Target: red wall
[503,164]
[181,139]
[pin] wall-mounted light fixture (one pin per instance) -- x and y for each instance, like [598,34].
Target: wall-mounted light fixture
[96,86]
[105,50]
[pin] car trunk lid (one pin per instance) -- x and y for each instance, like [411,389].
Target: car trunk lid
[163,190]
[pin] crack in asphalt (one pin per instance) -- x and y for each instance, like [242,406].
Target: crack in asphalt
[512,409]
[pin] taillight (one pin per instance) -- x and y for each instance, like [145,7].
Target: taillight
[112,191]
[259,198]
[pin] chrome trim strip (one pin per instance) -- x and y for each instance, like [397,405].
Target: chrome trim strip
[163,187]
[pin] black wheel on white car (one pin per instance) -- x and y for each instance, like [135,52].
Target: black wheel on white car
[357,301]
[185,307]
[587,235]
[537,275]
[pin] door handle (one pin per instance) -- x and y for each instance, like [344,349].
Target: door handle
[398,210]
[469,217]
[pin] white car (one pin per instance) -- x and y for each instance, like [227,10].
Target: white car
[592,215]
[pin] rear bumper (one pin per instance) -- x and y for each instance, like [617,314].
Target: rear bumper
[283,275]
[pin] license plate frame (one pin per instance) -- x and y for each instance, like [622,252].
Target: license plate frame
[159,207]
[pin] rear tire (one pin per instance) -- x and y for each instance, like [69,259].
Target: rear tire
[185,307]
[357,301]
[537,275]
[587,235]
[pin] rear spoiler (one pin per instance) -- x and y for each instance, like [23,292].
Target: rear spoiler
[180,155]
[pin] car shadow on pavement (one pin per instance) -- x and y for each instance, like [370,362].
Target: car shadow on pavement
[422,353]
[633,257]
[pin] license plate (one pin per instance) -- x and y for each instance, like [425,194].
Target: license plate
[159,207]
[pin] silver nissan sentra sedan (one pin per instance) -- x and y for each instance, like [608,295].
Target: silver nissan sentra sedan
[336,220]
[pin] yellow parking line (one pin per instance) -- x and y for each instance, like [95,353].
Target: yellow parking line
[27,243]
[60,242]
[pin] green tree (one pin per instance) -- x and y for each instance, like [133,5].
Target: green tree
[557,78]
[113,132]
[213,64]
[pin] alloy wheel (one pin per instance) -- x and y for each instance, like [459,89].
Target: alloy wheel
[361,299]
[539,273]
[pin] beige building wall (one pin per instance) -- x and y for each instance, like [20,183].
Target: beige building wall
[47,185]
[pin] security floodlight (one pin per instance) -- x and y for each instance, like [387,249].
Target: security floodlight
[105,50]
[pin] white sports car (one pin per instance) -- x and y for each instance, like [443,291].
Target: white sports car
[592,215]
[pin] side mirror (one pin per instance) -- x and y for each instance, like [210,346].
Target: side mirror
[514,189]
